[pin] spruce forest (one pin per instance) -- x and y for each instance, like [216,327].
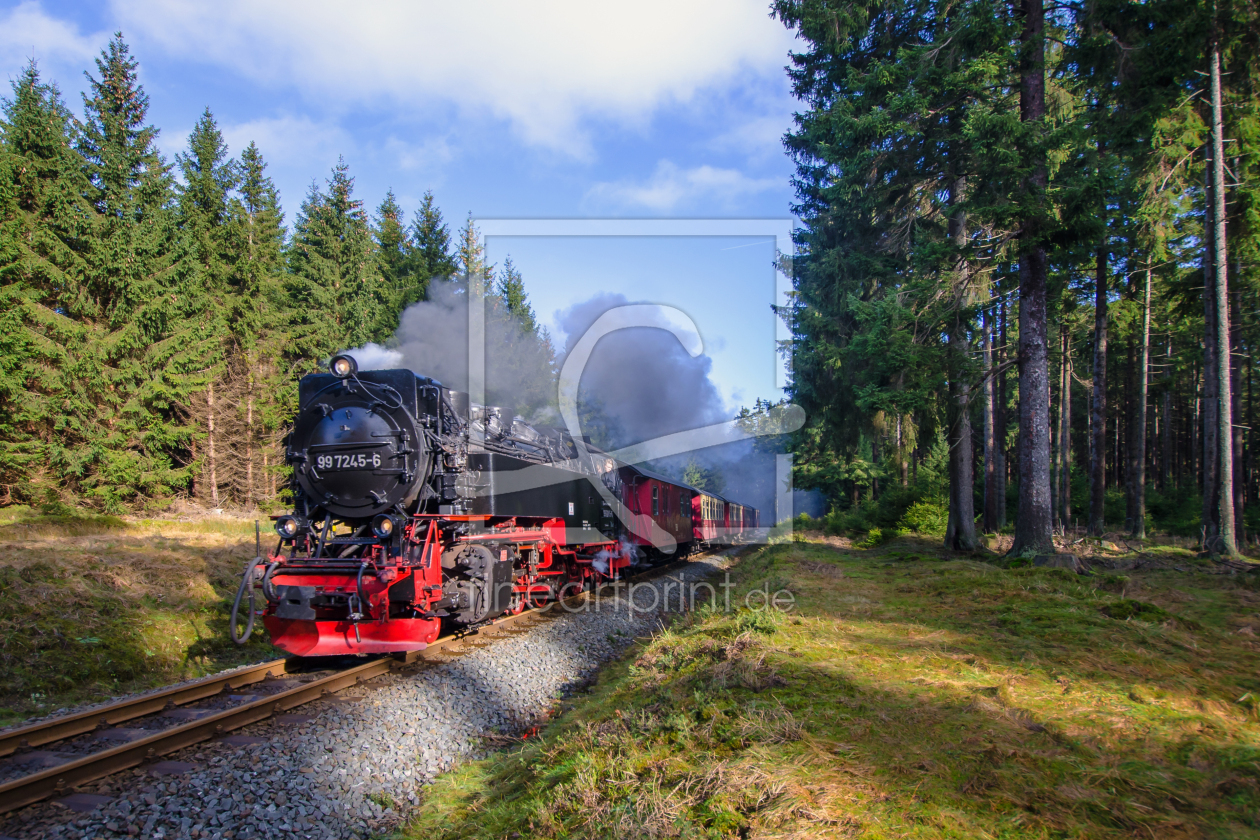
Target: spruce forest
[155,316]
[1024,278]
[1029,254]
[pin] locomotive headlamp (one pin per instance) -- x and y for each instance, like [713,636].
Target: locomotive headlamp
[288,527]
[384,526]
[343,366]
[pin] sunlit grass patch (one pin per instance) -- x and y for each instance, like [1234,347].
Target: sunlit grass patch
[903,697]
[93,606]
[54,520]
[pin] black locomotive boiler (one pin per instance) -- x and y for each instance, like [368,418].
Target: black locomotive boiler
[414,507]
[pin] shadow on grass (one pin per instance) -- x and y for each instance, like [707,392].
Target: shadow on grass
[822,725]
[100,610]
[945,748]
[1051,619]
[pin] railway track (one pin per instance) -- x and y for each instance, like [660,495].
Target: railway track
[199,725]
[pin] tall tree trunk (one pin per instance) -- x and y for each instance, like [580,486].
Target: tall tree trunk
[249,444]
[1066,495]
[999,418]
[210,457]
[901,452]
[1235,411]
[960,533]
[875,460]
[961,530]
[1220,253]
[1138,477]
[1124,478]
[990,524]
[1209,405]
[1249,450]
[1065,436]
[1033,532]
[271,478]
[1165,463]
[1056,441]
[1098,409]
[1117,480]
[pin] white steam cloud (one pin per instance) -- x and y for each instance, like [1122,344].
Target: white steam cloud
[639,384]
[372,356]
[432,340]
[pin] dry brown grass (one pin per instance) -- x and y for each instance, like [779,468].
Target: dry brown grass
[96,606]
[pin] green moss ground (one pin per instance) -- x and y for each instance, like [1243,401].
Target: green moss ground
[905,696]
[92,607]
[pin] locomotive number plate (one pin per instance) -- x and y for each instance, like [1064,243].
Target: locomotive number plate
[350,461]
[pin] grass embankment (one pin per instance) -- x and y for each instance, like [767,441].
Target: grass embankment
[905,696]
[95,606]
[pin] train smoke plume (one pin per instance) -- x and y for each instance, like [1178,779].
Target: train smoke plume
[639,384]
[432,340]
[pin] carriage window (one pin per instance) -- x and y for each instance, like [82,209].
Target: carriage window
[656,506]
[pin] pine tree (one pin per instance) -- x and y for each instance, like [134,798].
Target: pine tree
[267,391]
[432,239]
[132,303]
[257,252]
[406,279]
[393,240]
[473,273]
[205,218]
[44,225]
[205,340]
[702,478]
[525,363]
[515,300]
[884,315]
[336,288]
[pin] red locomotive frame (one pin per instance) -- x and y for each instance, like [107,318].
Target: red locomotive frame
[398,593]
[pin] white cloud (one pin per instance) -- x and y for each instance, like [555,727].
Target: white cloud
[26,32]
[426,155]
[671,187]
[759,137]
[544,66]
[290,138]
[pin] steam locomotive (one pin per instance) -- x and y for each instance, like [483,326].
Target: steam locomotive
[415,508]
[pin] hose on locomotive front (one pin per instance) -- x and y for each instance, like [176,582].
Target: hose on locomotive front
[247,582]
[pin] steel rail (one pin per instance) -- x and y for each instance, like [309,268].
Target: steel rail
[60,779]
[63,778]
[68,726]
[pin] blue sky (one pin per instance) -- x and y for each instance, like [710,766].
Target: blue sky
[504,110]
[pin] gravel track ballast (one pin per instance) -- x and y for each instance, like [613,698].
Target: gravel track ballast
[357,765]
